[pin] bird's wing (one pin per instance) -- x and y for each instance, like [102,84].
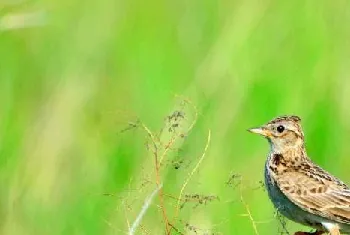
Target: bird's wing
[317,192]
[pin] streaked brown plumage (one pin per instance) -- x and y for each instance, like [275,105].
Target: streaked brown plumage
[298,188]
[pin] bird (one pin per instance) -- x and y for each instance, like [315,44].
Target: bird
[299,188]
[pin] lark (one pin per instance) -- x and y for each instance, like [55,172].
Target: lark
[298,188]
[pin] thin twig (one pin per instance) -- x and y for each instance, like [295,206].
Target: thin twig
[157,166]
[176,229]
[248,212]
[168,147]
[191,174]
[143,210]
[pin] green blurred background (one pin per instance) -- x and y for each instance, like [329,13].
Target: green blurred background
[74,74]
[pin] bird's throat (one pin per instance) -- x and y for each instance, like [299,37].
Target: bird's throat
[280,162]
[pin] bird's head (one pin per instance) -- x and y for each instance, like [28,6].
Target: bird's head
[283,133]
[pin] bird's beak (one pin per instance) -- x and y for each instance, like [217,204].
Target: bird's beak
[261,131]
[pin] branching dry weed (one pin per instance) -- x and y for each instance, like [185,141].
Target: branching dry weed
[165,148]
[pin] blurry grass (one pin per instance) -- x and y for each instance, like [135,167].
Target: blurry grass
[67,90]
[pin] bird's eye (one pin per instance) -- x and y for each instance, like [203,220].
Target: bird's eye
[280,128]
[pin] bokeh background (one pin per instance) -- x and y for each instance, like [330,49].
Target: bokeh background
[78,77]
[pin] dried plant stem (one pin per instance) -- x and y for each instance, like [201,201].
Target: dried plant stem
[143,210]
[167,148]
[157,166]
[191,174]
[176,230]
[249,214]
